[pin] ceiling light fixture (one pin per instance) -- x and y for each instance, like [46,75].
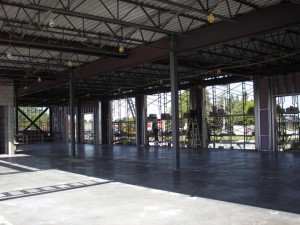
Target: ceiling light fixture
[69,64]
[51,23]
[121,48]
[211,18]
[9,55]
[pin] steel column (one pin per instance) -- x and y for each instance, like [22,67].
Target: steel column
[141,119]
[79,124]
[174,104]
[72,115]
[16,111]
[51,123]
[105,128]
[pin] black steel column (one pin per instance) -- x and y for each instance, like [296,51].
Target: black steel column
[72,114]
[141,119]
[16,112]
[79,124]
[104,126]
[51,123]
[174,104]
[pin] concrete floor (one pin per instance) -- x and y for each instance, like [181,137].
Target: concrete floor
[111,185]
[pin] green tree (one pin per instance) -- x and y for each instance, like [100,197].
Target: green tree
[208,102]
[184,103]
[249,109]
[183,106]
[241,111]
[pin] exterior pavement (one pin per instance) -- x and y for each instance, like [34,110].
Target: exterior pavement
[111,185]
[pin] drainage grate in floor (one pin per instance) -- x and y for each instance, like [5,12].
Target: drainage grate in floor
[49,189]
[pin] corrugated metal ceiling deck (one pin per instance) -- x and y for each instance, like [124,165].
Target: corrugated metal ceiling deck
[87,32]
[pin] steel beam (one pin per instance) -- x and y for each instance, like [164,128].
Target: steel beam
[21,25]
[264,21]
[252,5]
[43,43]
[137,56]
[193,9]
[164,10]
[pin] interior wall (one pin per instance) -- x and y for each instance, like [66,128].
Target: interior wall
[2,129]
[90,108]
[60,121]
[7,121]
[59,118]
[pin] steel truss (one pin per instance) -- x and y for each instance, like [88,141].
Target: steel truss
[87,33]
[267,54]
[31,124]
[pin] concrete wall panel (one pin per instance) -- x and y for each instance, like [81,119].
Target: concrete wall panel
[8,118]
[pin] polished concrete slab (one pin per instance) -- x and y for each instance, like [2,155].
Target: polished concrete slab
[136,185]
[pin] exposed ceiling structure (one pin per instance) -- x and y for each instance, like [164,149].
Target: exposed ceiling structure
[248,38]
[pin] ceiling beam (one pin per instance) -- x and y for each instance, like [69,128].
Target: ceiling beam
[252,5]
[135,57]
[71,33]
[45,43]
[165,10]
[194,9]
[263,21]
[90,17]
